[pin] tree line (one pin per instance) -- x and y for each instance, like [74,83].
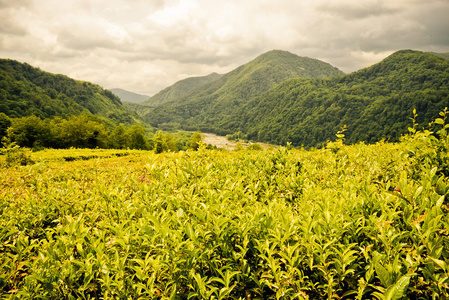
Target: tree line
[84,131]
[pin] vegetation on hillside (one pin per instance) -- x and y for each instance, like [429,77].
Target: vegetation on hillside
[343,222]
[88,132]
[76,131]
[444,55]
[373,103]
[180,89]
[129,96]
[25,91]
[206,105]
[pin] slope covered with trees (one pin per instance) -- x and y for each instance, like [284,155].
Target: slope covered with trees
[374,103]
[180,89]
[444,55]
[206,105]
[25,90]
[128,96]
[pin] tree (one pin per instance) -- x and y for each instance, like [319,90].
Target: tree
[29,132]
[82,132]
[195,140]
[136,138]
[5,123]
[118,137]
[164,142]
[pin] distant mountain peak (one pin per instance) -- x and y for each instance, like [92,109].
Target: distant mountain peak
[180,89]
[128,96]
[204,105]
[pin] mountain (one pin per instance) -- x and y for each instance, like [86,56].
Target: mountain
[203,107]
[374,103]
[25,90]
[443,55]
[180,89]
[129,96]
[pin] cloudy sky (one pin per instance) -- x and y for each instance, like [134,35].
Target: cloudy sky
[146,45]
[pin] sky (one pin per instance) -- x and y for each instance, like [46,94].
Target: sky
[145,46]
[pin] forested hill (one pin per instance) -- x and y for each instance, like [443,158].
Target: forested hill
[25,90]
[205,106]
[374,103]
[180,89]
[444,55]
[128,96]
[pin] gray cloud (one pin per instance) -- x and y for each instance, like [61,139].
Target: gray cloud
[144,46]
[357,9]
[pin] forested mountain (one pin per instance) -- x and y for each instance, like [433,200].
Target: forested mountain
[128,96]
[444,55]
[25,90]
[180,89]
[205,106]
[374,103]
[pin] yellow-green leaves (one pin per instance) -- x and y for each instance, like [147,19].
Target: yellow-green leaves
[368,221]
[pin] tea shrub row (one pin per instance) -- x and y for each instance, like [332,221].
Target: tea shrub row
[346,222]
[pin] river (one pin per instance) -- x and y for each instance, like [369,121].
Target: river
[222,142]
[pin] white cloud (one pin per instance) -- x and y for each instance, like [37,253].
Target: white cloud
[144,46]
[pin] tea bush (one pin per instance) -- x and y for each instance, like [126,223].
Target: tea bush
[359,222]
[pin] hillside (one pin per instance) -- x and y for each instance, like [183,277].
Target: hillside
[180,89]
[128,96]
[375,103]
[25,90]
[443,55]
[206,105]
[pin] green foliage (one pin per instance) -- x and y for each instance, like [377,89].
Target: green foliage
[5,123]
[77,131]
[136,138]
[26,91]
[236,136]
[14,155]
[180,89]
[81,131]
[255,147]
[118,137]
[195,140]
[163,142]
[29,132]
[374,103]
[363,222]
[205,106]
[129,96]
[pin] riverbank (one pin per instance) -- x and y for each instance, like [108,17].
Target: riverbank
[222,142]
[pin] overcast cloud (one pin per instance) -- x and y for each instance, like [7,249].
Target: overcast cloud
[146,45]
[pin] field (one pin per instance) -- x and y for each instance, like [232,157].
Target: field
[345,222]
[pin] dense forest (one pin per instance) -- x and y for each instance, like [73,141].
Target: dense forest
[277,98]
[205,106]
[25,91]
[180,89]
[127,96]
[266,101]
[374,103]
[86,131]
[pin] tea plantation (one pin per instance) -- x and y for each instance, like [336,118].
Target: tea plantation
[344,222]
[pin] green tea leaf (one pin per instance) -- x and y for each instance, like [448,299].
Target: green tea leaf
[398,290]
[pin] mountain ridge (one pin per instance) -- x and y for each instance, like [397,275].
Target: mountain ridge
[374,102]
[129,96]
[180,89]
[26,90]
[212,101]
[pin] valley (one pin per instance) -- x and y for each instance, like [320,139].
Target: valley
[132,207]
